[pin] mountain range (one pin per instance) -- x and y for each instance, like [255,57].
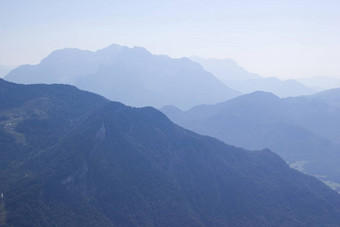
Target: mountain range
[236,77]
[303,130]
[73,158]
[321,83]
[130,75]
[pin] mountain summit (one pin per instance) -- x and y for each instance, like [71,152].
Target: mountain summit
[130,75]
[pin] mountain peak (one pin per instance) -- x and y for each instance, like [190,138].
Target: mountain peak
[263,94]
[257,97]
[130,75]
[112,48]
[65,55]
[115,48]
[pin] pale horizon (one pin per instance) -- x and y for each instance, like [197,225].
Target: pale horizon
[287,40]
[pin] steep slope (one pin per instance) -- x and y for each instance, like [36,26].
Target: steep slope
[234,76]
[71,158]
[303,130]
[130,75]
[225,69]
[5,70]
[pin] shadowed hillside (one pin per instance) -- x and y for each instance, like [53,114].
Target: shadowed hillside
[302,130]
[72,158]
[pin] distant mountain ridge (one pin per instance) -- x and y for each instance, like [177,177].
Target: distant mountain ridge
[331,96]
[234,76]
[4,70]
[130,75]
[73,158]
[321,83]
[304,130]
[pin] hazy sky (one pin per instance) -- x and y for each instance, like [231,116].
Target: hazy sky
[286,39]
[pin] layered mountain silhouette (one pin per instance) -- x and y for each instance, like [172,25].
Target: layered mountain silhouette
[303,130]
[331,97]
[4,70]
[72,158]
[233,75]
[130,75]
[321,83]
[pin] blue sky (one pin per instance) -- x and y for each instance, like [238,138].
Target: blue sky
[286,39]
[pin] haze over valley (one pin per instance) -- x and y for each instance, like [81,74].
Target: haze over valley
[169,113]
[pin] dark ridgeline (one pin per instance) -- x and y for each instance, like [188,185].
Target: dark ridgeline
[130,75]
[304,130]
[72,158]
